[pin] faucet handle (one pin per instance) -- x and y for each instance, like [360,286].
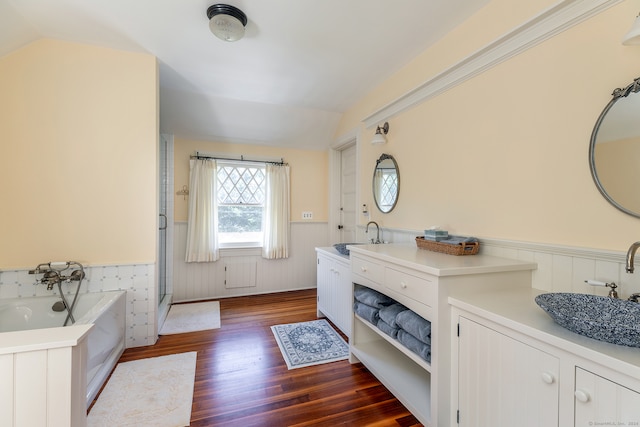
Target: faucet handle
[612,293]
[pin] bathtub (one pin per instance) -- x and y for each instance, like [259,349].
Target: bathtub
[105,343]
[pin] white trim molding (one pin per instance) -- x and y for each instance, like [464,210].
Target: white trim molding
[560,17]
[341,143]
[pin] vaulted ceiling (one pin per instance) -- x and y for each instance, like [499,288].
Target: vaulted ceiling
[301,64]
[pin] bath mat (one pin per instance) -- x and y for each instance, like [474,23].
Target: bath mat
[192,317]
[157,391]
[309,343]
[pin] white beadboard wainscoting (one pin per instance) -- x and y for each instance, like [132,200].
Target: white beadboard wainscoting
[137,279]
[44,382]
[206,280]
[560,268]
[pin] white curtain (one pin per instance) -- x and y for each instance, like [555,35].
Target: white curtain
[276,213]
[202,236]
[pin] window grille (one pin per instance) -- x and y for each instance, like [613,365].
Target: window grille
[241,193]
[388,188]
[240,185]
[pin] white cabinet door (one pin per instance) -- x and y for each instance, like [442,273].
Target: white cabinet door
[335,292]
[344,295]
[601,402]
[323,285]
[503,382]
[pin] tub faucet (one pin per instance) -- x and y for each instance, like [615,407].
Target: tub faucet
[39,269]
[377,232]
[50,278]
[630,255]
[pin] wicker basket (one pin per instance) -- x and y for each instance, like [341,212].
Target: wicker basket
[447,248]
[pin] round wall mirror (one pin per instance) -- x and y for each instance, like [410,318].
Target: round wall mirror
[614,151]
[386,183]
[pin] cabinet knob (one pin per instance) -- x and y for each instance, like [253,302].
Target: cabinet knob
[364,269]
[582,396]
[403,285]
[548,377]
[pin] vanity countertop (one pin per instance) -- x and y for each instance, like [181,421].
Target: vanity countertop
[439,264]
[517,310]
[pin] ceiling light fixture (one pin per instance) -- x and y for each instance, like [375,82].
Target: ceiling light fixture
[226,22]
[379,137]
[633,36]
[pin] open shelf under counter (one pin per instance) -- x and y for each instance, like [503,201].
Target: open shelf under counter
[395,343]
[408,378]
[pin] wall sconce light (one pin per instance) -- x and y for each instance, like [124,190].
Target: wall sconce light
[184,192]
[381,132]
[633,36]
[226,22]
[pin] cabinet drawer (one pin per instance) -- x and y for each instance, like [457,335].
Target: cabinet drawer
[368,269]
[416,288]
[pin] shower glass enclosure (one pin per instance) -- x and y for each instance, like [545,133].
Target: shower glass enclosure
[165,211]
[162,227]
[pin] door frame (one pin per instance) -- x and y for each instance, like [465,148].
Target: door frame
[345,141]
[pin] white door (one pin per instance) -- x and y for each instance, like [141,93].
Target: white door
[348,209]
[503,382]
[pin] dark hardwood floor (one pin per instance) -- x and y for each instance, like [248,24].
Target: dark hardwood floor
[242,379]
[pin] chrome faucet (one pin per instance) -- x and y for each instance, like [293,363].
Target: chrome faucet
[630,255]
[377,232]
[50,278]
[39,269]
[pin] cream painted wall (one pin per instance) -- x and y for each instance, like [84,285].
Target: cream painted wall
[309,174]
[505,154]
[78,161]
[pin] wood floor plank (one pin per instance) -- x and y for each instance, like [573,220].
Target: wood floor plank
[242,379]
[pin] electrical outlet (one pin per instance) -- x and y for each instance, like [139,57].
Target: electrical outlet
[307,215]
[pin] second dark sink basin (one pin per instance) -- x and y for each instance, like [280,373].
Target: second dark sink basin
[605,319]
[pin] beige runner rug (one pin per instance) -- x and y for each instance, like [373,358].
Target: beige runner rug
[157,391]
[192,317]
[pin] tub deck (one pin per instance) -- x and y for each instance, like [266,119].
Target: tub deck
[42,339]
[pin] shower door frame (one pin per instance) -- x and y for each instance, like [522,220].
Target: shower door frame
[165,227]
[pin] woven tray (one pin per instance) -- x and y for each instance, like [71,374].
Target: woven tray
[447,248]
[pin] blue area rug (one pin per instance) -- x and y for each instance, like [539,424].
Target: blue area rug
[309,343]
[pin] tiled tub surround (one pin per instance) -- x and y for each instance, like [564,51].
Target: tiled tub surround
[137,279]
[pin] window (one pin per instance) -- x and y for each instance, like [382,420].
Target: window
[241,193]
[388,189]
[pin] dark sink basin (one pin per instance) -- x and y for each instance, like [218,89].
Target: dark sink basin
[601,318]
[342,247]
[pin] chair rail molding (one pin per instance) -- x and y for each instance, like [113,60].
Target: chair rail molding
[562,16]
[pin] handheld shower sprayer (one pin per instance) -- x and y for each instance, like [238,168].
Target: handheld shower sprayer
[52,275]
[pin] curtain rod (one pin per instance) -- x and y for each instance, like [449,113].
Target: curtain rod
[241,158]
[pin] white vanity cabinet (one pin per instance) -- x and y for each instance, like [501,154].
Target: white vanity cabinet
[422,281]
[514,366]
[335,297]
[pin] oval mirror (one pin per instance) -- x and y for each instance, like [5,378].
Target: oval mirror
[386,183]
[614,151]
